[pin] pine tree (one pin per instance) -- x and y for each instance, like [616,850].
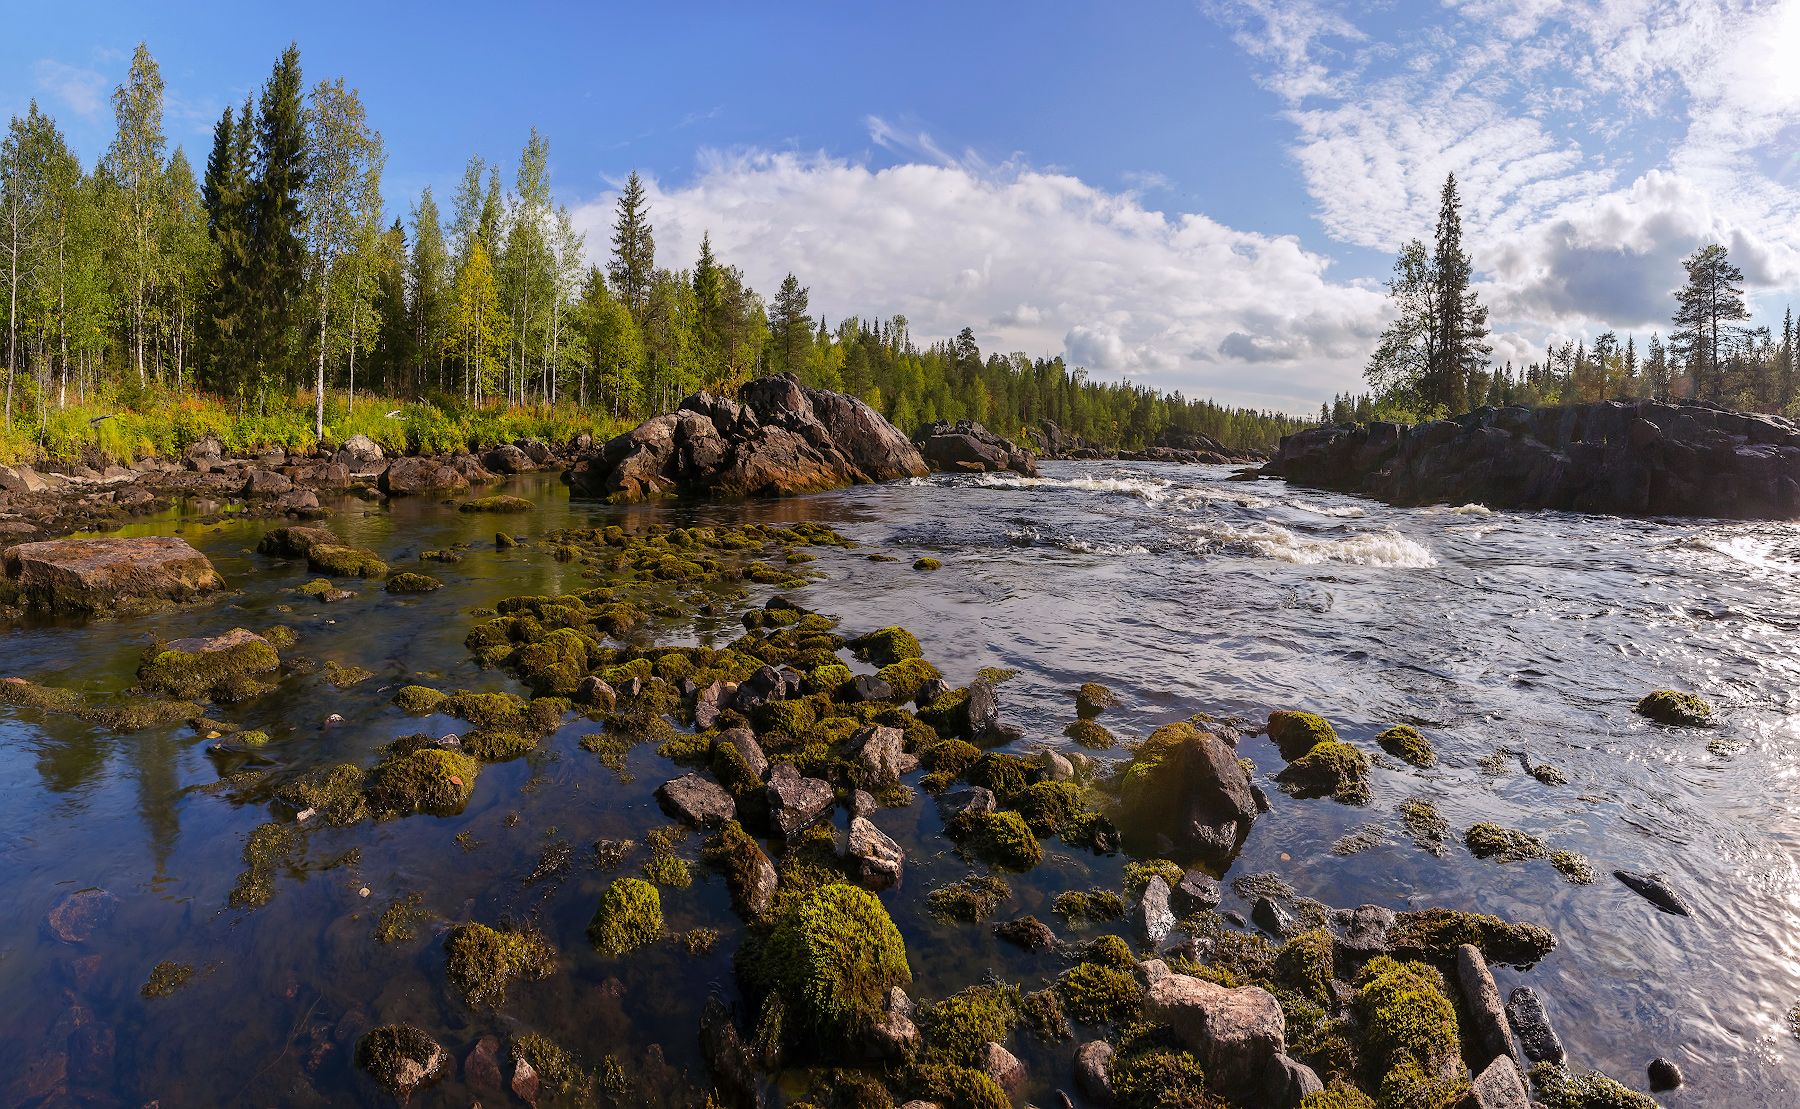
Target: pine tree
[228,196]
[790,328]
[1461,347]
[634,249]
[275,278]
[1706,308]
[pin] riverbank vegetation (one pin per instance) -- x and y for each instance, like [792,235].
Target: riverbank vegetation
[1433,360]
[275,276]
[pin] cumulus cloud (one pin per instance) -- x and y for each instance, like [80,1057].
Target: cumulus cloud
[1036,261]
[83,91]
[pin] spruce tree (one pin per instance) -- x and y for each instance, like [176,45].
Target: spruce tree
[790,327]
[634,249]
[1461,347]
[1706,309]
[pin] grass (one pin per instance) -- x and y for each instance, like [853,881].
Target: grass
[162,423]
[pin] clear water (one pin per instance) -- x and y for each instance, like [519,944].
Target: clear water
[1182,591]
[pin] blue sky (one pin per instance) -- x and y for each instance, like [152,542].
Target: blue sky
[1204,195]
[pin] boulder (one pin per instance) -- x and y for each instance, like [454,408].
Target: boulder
[1027,932]
[868,687]
[93,575]
[711,700]
[1197,891]
[1655,889]
[1537,1040]
[361,456]
[977,799]
[783,439]
[796,802]
[1288,1082]
[1002,1066]
[1153,916]
[750,751]
[409,477]
[696,800]
[1499,1086]
[894,1035]
[1185,787]
[538,451]
[968,447]
[873,857]
[1093,1070]
[266,483]
[879,751]
[767,684]
[1235,1033]
[1362,932]
[507,459]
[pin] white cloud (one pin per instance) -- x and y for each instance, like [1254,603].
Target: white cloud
[1036,261]
[83,91]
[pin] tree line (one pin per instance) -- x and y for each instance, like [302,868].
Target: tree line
[1433,359]
[275,271]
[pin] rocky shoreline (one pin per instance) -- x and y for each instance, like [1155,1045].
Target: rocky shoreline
[1172,445]
[1637,458]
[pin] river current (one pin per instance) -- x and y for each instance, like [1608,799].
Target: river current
[1182,590]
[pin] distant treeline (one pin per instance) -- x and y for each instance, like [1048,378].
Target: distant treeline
[272,277]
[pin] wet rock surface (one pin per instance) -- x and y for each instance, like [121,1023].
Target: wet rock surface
[95,575]
[1236,1033]
[968,447]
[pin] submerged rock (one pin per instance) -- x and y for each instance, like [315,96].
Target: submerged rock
[400,1058]
[1027,932]
[727,1058]
[219,666]
[1676,709]
[95,575]
[1655,889]
[77,916]
[783,439]
[967,447]
[1488,1036]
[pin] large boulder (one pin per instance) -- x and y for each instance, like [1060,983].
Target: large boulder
[1237,1034]
[95,575]
[406,477]
[783,439]
[1185,791]
[967,447]
[1625,458]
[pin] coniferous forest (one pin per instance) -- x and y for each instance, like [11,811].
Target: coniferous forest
[260,293]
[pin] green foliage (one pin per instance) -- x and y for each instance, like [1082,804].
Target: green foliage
[1160,1078]
[1338,1095]
[629,916]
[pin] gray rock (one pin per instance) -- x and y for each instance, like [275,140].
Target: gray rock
[1235,1033]
[895,1035]
[1003,1067]
[862,803]
[984,710]
[1154,918]
[712,700]
[266,483]
[874,857]
[1361,932]
[1287,1081]
[968,447]
[1056,767]
[750,751]
[867,687]
[931,690]
[1655,889]
[593,691]
[696,800]
[796,802]
[1197,891]
[1499,1086]
[972,799]
[1539,1042]
[1271,916]
[1487,1036]
[880,752]
[1092,1074]
[1199,799]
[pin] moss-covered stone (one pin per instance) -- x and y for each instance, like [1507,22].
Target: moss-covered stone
[1093,993]
[956,1029]
[971,900]
[907,676]
[334,792]
[1296,733]
[1002,838]
[209,667]
[1139,872]
[1338,1095]
[1160,1077]
[482,961]
[409,582]
[338,561]
[834,954]
[1506,845]
[1676,709]
[1403,741]
[400,1058]
[1078,907]
[427,780]
[1558,1089]
[1332,769]
[1424,824]
[1437,933]
[165,978]
[957,1087]
[400,921]
[1407,1018]
[1305,963]
[928,564]
[1573,867]
[886,646]
[629,916]
[1090,734]
[498,503]
[419,700]
[1092,699]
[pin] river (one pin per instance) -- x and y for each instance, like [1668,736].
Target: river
[1183,591]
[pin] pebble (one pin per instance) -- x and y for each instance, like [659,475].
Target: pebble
[1664,1075]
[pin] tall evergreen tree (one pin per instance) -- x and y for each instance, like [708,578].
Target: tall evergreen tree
[228,196]
[1706,311]
[1461,349]
[790,328]
[276,277]
[633,248]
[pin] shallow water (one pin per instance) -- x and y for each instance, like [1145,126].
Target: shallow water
[1182,591]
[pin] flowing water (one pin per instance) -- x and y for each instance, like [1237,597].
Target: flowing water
[1182,591]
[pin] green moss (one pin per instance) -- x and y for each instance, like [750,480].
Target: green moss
[886,646]
[418,700]
[972,899]
[344,562]
[629,916]
[834,954]
[1078,907]
[401,919]
[497,503]
[385,1052]
[1407,1016]
[1092,698]
[280,636]
[668,869]
[557,1069]
[957,1028]
[928,564]
[344,676]
[1296,733]
[191,675]
[429,780]
[950,756]
[409,582]
[1332,769]
[828,679]
[1558,1089]
[1574,867]
[555,665]
[1437,933]
[1424,824]
[1304,962]
[165,978]
[1676,709]
[1052,808]
[907,676]
[1007,775]
[1109,951]
[1403,741]
[317,588]
[958,1087]
[1338,1095]
[1138,874]
[1096,994]
[1002,838]
[1410,1086]
[1507,845]
[1161,1077]
[265,848]
[334,792]
[482,961]
[1090,734]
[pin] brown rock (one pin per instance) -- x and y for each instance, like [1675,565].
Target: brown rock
[1235,1033]
[1003,1067]
[414,476]
[77,915]
[92,575]
[481,1070]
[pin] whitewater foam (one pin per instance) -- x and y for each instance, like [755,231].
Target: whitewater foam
[1149,489]
[1381,547]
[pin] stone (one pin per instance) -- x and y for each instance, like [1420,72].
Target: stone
[361,455]
[1499,1086]
[868,687]
[508,459]
[481,1068]
[1486,1036]
[783,439]
[1269,915]
[862,803]
[767,684]
[977,799]
[796,802]
[1655,889]
[696,800]
[1362,932]
[266,483]
[1663,1074]
[1525,1013]
[78,914]
[406,477]
[593,691]
[880,752]
[1002,1066]
[1056,768]
[1027,932]
[1197,892]
[711,700]
[400,1058]
[894,1036]
[94,575]
[1235,1033]
[931,690]
[875,858]
[1154,917]
[969,448]
[744,740]
[983,709]
[294,542]
[728,1058]
[753,880]
[1093,1074]
[1189,790]
[21,479]
[1154,971]
[526,1084]
[1287,1082]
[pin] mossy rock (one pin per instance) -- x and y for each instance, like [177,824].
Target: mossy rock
[1506,845]
[886,646]
[956,1087]
[928,564]
[629,916]
[1305,964]
[408,582]
[555,664]
[400,1058]
[1078,907]
[1403,741]
[482,961]
[345,562]
[213,667]
[1332,769]
[1092,699]
[1002,838]
[907,676]
[1436,934]
[1410,1034]
[428,780]
[1676,709]
[970,900]
[419,700]
[497,503]
[1338,1095]
[335,793]
[1094,993]
[1296,733]
[957,1028]
[1159,1076]
[165,978]
[1091,734]
[833,956]
[1558,1089]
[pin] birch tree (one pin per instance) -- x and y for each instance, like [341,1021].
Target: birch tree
[135,161]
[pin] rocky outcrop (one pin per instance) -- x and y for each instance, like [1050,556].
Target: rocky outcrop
[966,447]
[407,477]
[1640,458]
[782,439]
[1171,445]
[95,575]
